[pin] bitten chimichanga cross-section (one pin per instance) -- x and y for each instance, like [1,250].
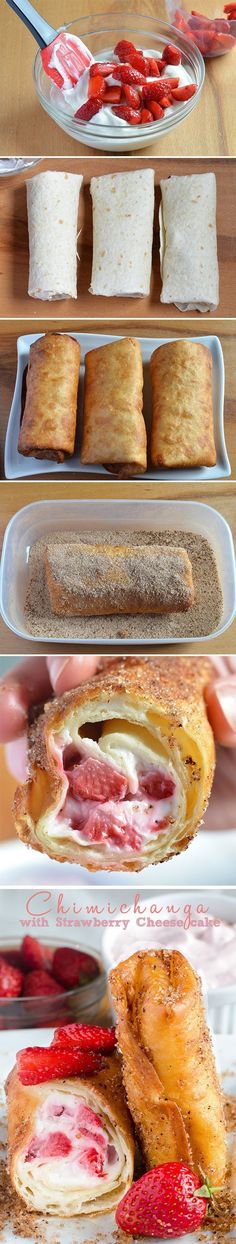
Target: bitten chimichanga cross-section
[120,769]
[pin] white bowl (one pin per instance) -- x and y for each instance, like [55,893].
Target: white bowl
[44,518]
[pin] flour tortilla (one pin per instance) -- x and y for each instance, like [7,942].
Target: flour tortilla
[123,210]
[52,203]
[188,242]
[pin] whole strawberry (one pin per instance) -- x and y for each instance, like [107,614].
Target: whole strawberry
[11,980]
[168,1201]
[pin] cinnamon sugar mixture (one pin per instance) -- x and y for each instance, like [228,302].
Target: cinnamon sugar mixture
[201,619]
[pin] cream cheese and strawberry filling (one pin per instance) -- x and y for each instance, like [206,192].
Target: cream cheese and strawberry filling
[120,789]
[75,1155]
[111,92]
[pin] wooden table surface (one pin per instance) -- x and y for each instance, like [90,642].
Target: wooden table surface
[14,250]
[225,329]
[25,129]
[222,496]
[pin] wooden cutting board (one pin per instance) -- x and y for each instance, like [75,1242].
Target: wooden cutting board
[14,252]
[225,330]
[25,129]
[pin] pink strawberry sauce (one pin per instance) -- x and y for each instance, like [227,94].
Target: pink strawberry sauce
[101,807]
[71,1130]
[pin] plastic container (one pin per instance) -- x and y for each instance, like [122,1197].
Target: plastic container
[87,1004]
[17,466]
[146,33]
[43,518]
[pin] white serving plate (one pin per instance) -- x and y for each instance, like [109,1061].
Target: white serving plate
[43,518]
[18,467]
[88,1230]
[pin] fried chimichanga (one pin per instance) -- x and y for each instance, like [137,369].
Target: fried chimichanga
[182,432]
[48,425]
[114,431]
[97,579]
[169,1071]
[95,1167]
[120,769]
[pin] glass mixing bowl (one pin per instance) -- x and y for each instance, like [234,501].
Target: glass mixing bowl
[100,34]
[87,1004]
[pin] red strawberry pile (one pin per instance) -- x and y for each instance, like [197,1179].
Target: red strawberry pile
[35,971]
[168,1202]
[213,36]
[139,92]
[75,1050]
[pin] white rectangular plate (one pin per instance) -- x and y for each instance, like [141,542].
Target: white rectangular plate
[102,1228]
[17,467]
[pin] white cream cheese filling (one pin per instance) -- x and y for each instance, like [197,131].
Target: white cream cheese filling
[67,1182]
[131,750]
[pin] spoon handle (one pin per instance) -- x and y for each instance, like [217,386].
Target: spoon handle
[42,32]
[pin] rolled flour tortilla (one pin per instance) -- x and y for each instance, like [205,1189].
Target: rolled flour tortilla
[123,210]
[188,242]
[52,204]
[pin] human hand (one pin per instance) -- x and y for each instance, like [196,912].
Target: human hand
[32,682]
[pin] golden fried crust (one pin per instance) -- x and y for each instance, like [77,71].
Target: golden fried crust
[114,431]
[48,426]
[170,686]
[182,415]
[24,1100]
[166,1046]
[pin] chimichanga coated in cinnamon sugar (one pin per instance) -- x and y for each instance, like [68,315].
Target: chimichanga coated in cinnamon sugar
[166,1047]
[92,579]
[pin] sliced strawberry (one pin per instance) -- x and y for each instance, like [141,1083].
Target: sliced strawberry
[89,109]
[37,1064]
[182,93]
[146,116]
[141,63]
[154,67]
[86,1037]
[154,90]
[163,1203]
[126,73]
[11,980]
[171,55]
[34,954]
[105,68]
[70,966]
[124,49]
[97,86]
[38,984]
[93,779]
[157,785]
[46,56]
[132,98]
[156,109]
[112,95]
[57,1145]
[132,118]
[165,101]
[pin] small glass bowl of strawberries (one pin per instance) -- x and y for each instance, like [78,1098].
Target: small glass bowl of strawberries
[44,983]
[214,36]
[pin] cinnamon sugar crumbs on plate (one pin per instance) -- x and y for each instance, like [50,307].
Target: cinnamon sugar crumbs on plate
[201,619]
